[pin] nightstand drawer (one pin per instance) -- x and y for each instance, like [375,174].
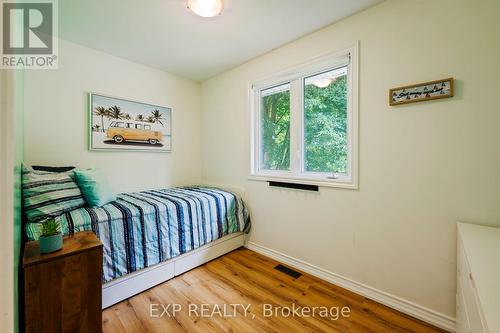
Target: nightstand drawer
[63,289]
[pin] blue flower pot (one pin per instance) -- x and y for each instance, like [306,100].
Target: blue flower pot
[51,243]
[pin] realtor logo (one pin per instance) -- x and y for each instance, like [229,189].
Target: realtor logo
[29,34]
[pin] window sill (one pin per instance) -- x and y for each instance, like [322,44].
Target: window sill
[322,182]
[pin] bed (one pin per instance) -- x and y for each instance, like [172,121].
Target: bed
[148,237]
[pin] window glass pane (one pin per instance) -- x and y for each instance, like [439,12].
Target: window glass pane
[275,128]
[325,122]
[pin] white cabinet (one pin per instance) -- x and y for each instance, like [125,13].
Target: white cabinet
[478,279]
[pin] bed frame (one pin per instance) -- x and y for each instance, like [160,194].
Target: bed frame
[122,288]
[134,283]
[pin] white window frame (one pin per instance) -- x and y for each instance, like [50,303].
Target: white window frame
[295,76]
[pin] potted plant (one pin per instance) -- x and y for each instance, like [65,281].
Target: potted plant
[51,239]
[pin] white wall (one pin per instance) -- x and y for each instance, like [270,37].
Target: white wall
[56,118]
[11,155]
[7,308]
[423,166]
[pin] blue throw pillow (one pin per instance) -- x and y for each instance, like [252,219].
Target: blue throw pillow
[94,186]
[48,194]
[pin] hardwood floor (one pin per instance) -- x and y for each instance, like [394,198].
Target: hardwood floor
[247,278]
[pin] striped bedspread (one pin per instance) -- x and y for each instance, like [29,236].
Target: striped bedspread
[145,228]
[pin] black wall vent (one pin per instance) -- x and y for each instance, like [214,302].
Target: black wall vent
[288,271]
[305,187]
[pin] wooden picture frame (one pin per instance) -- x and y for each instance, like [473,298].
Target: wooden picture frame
[420,92]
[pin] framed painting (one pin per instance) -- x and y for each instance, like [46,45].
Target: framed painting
[422,92]
[121,124]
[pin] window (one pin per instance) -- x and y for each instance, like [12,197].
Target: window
[118,124]
[138,126]
[304,123]
[275,128]
[325,122]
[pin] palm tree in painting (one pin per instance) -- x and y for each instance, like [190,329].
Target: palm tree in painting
[139,117]
[115,112]
[101,112]
[157,116]
[150,119]
[127,116]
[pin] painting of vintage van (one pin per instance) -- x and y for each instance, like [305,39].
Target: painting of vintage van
[119,124]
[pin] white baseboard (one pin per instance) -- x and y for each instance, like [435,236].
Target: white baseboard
[417,311]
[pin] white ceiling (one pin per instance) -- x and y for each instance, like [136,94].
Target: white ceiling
[165,34]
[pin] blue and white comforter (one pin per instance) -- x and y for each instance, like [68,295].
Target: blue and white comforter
[145,228]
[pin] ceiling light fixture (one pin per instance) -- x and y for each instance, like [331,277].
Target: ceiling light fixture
[206,8]
[322,83]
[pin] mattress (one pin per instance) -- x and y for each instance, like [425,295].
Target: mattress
[142,229]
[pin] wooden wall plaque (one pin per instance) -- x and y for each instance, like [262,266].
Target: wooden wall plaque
[422,92]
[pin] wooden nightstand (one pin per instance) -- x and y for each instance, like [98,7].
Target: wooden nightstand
[63,289]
